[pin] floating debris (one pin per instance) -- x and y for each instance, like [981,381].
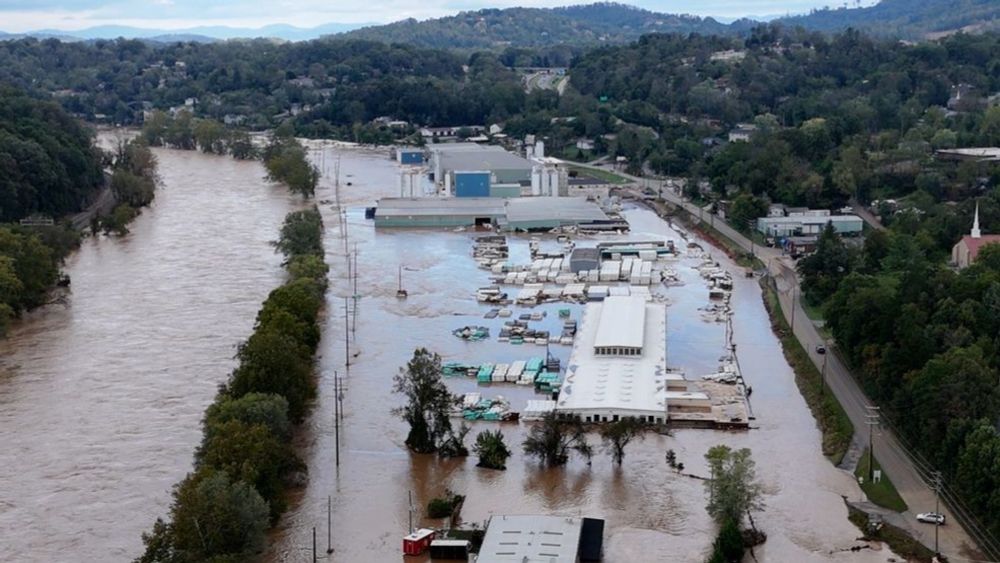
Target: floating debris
[475,407]
[472,333]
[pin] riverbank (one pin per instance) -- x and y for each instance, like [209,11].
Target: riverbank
[246,463]
[103,392]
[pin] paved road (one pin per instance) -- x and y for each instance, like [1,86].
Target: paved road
[867,216]
[545,81]
[954,542]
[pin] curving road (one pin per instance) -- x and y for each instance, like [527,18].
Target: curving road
[910,477]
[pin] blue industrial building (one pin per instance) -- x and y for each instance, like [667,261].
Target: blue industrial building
[472,184]
[411,156]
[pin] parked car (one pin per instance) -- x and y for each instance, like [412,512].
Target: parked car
[820,349]
[931,518]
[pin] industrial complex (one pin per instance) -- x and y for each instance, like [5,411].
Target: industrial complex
[517,214]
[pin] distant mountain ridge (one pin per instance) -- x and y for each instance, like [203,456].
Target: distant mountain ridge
[199,34]
[582,25]
[908,19]
[533,27]
[611,23]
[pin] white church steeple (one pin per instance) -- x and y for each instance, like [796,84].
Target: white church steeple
[976,233]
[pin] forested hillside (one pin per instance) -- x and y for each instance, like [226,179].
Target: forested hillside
[911,19]
[258,83]
[609,23]
[848,116]
[47,162]
[592,24]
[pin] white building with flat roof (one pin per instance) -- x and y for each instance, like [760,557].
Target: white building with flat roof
[618,365]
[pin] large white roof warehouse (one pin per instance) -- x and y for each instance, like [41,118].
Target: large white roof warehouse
[626,375]
[621,327]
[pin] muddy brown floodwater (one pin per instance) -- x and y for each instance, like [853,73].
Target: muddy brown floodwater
[652,513]
[101,398]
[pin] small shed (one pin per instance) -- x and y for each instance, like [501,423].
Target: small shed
[418,542]
[450,549]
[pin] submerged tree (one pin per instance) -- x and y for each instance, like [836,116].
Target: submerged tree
[617,435]
[428,401]
[454,444]
[492,450]
[733,489]
[553,439]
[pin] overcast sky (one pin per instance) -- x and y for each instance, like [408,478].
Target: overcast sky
[24,15]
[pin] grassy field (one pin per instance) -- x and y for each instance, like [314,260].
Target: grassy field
[882,493]
[898,540]
[833,421]
[603,175]
[813,312]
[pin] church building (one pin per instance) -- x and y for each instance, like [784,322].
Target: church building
[965,252]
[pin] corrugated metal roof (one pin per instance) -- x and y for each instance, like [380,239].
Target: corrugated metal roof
[429,206]
[622,385]
[549,539]
[622,322]
[565,210]
[486,157]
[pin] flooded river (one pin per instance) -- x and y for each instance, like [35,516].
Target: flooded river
[652,513]
[101,398]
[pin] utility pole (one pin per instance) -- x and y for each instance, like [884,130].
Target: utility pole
[336,415]
[314,544]
[329,524]
[937,508]
[347,331]
[340,399]
[872,420]
[354,326]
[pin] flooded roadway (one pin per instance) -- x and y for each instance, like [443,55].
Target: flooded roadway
[101,398]
[652,513]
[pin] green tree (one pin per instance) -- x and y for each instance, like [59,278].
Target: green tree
[272,362]
[733,489]
[617,435]
[453,445]
[155,128]
[240,146]
[286,162]
[978,471]
[302,234]
[728,545]
[823,270]
[553,439]
[745,210]
[428,401]
[212,518]
[310,267]
[268,410]
[210,136]
[250,453]
[491,449]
